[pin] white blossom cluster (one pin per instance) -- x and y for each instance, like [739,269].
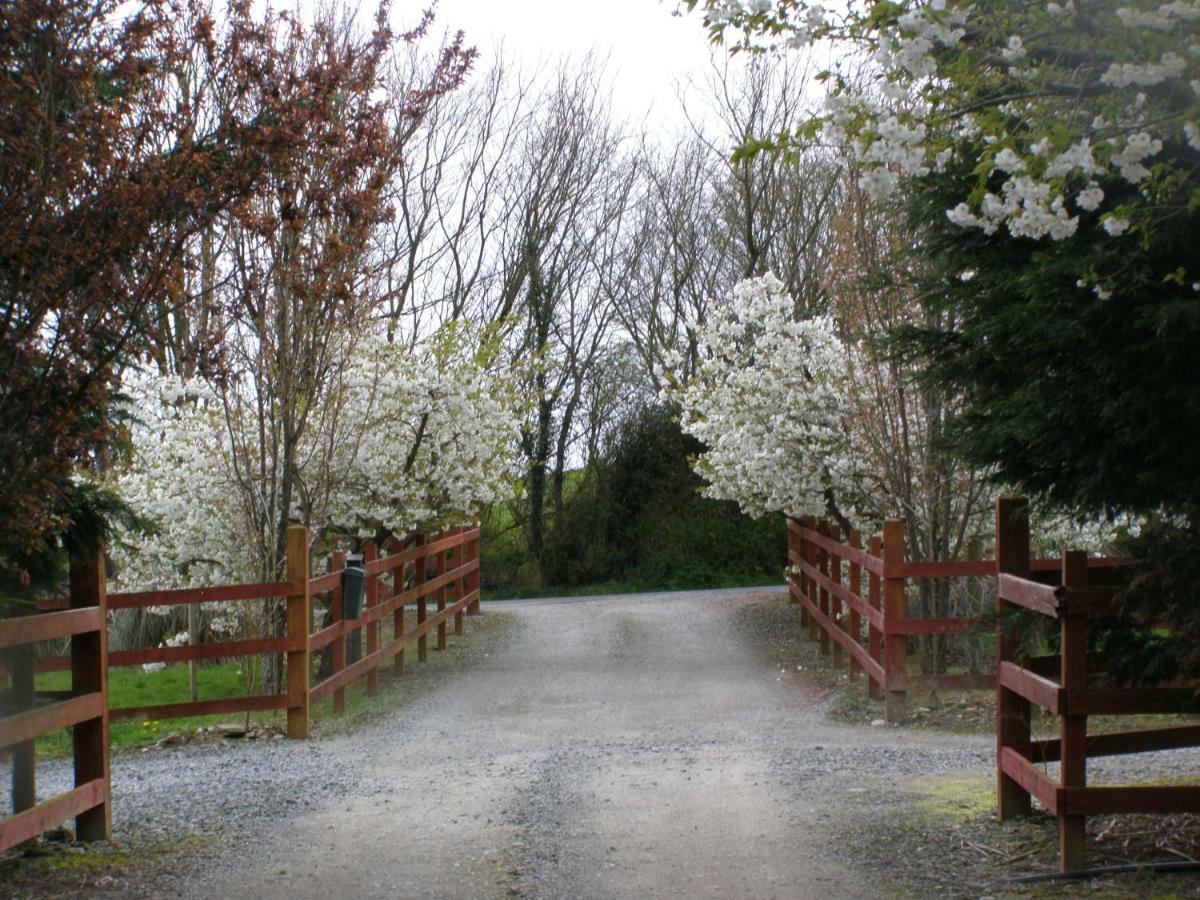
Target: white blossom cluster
[432,440]
[423,437]
[1042,100]
[767,405]
[178,476]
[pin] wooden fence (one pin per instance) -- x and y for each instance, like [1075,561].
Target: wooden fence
[85,707]
[442,568]
[1072,686]
[854,600]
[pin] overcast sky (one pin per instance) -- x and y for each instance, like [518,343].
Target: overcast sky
[648,48]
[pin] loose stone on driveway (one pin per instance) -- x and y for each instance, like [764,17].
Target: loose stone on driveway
[618,747]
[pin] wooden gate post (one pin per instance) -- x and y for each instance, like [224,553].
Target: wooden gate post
[22,661]
[398,614]
[895,611]
[802,578]
[823,592]
[793,542]
[337,612]
[457,591]
[1012,710]
[1073,729]
[299,615]
[835,602]
[440,594]
[856,590]
[810,586]
[370,555]
[473,579]
[89,674]
[874,635]
[422,570]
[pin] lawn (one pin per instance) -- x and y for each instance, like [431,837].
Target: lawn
[132,686]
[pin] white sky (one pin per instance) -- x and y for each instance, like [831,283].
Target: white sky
[648,48]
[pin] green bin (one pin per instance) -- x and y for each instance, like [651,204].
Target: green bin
[354,583]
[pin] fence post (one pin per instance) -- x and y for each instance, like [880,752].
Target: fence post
[89,674]
[422,575]
[1012,710]
[793,543]
[473,579]
[337,612]
[23,661]
[835,602]
[458,591]
[874,635]
[811,556]
[802,577]
[371,599]
[823,592]
[1073,729]
[299,614]
[442,562]
[856,590]
[895,646]
[398,613]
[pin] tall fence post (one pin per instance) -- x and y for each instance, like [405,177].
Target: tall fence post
[1073,728]
[473,579]
[802,578]
[398,614]
[874,597]
[299,613]
[337,612]
[422,575]
[370,555]
[1012,710]
[856,590]
[458,591]
[23,660]
[895,611]
[823,592]
[835,602]
[89,674]
[811,556]
[794,540]
[442,562]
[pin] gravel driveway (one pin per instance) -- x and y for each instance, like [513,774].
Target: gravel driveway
[619,747]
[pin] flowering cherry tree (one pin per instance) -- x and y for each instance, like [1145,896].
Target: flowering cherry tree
[423,436]
[1065,113]
[768,403]
[432,439]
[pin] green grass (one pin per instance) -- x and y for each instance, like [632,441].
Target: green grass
[135,687]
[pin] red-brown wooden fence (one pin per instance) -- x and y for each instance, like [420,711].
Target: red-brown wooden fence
[1071,685]
[443,568]
[85,707]
[854,598]
[854,601]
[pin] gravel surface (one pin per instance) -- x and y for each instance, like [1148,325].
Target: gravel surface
[621,747]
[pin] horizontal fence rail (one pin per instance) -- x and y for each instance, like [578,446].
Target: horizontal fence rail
[84,708]
[1072,685]
[853,600]
[439,570]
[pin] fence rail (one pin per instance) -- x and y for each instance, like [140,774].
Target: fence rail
[84,709]
[442,569]
[1070,685]
[853,600]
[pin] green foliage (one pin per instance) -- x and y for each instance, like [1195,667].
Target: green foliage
[635,520]
[1079,398]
